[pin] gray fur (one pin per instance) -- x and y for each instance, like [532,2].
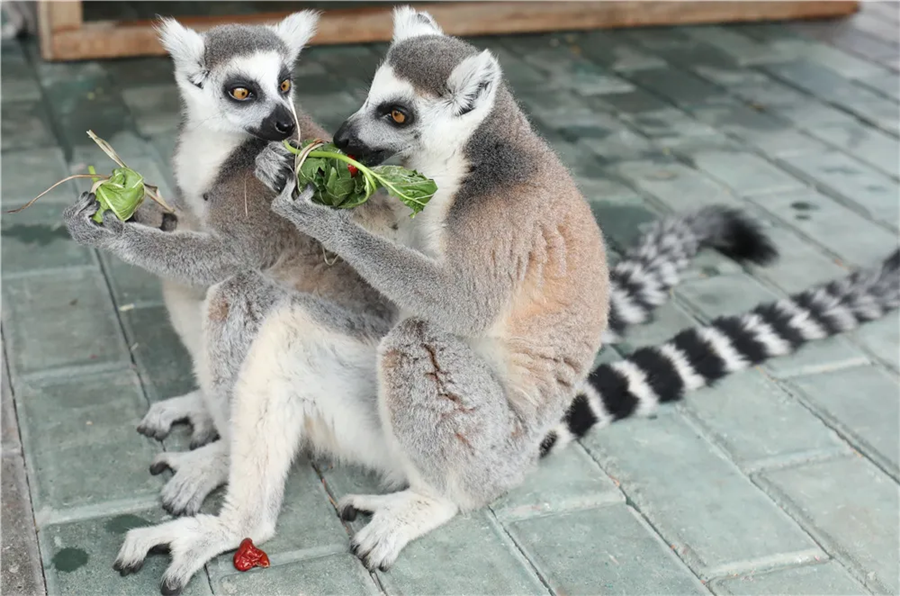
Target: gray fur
[445,404]
[427,61]
[226,42]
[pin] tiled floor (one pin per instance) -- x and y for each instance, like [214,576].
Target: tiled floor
[780,480]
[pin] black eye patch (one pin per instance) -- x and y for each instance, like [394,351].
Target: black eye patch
[388,109]
[251,86]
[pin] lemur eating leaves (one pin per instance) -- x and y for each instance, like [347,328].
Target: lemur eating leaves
[236,90]
[500,288]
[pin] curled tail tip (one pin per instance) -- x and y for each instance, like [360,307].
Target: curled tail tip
[744,239]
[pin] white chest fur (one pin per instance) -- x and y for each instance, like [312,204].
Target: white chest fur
[198,161]
[426,232]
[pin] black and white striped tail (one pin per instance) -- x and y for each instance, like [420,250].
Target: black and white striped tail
[641,281]
[700,356]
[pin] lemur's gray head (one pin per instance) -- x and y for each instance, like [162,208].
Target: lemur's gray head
[427,98]
[237,78]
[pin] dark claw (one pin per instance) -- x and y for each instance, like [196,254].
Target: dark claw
[158,468]
[159,435]
[349,513]
[384,567]
[173,589]
[354,548]
[125,570]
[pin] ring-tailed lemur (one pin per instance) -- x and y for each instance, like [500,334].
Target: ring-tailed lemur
[236,90]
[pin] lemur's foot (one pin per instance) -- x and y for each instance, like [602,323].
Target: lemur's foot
[191,542]
[158,421]
[197,474]
[397,519]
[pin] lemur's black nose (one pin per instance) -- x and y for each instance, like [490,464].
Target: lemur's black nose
[343,136]
[285,127]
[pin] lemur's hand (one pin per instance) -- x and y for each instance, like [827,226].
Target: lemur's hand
[275,166]
[84,230]
[319,221]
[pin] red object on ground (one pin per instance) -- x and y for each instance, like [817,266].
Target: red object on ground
[352,168]
[248,556]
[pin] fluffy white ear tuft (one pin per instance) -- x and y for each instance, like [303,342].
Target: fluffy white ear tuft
[474,81]
[410,23]
[297,29]
[183,44]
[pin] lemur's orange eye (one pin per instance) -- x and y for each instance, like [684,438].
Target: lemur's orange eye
[239,93]
[285,86]
[398,116]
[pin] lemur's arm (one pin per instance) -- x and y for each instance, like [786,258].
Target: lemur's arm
[429,289]
[195,258]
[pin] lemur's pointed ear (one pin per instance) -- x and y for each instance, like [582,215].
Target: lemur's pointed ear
[184,45]
[410,23]
[473,82]
[296,30]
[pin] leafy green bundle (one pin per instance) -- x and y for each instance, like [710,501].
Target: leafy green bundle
[122,192]
[344,183]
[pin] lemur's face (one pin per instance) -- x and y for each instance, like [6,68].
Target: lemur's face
[426,100]
[237,79]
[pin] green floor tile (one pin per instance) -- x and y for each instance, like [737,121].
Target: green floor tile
[61,319]
[881,338]
[861,530]
[37,239]
[567,480]
[164,363]
[469,555]
[862,404]
[723,295]
[155,109]
[78,559]
[826,579]
[629,559]
[698,500]
[131,285]
[28,173]
[24,125]
[341,575]
[80,440]
[754,419]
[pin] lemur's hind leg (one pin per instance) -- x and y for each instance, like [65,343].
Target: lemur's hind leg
[448,420]
[185,306]
[234,312]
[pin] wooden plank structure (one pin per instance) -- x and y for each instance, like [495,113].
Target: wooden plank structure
[66,35]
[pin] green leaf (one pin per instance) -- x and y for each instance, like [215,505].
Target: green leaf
[326,168]
[122,194]
[411,187]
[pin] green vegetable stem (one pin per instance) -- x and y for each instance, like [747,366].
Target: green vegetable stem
[344,183]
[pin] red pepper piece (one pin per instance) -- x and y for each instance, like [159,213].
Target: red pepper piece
[248,556]
[352,168]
